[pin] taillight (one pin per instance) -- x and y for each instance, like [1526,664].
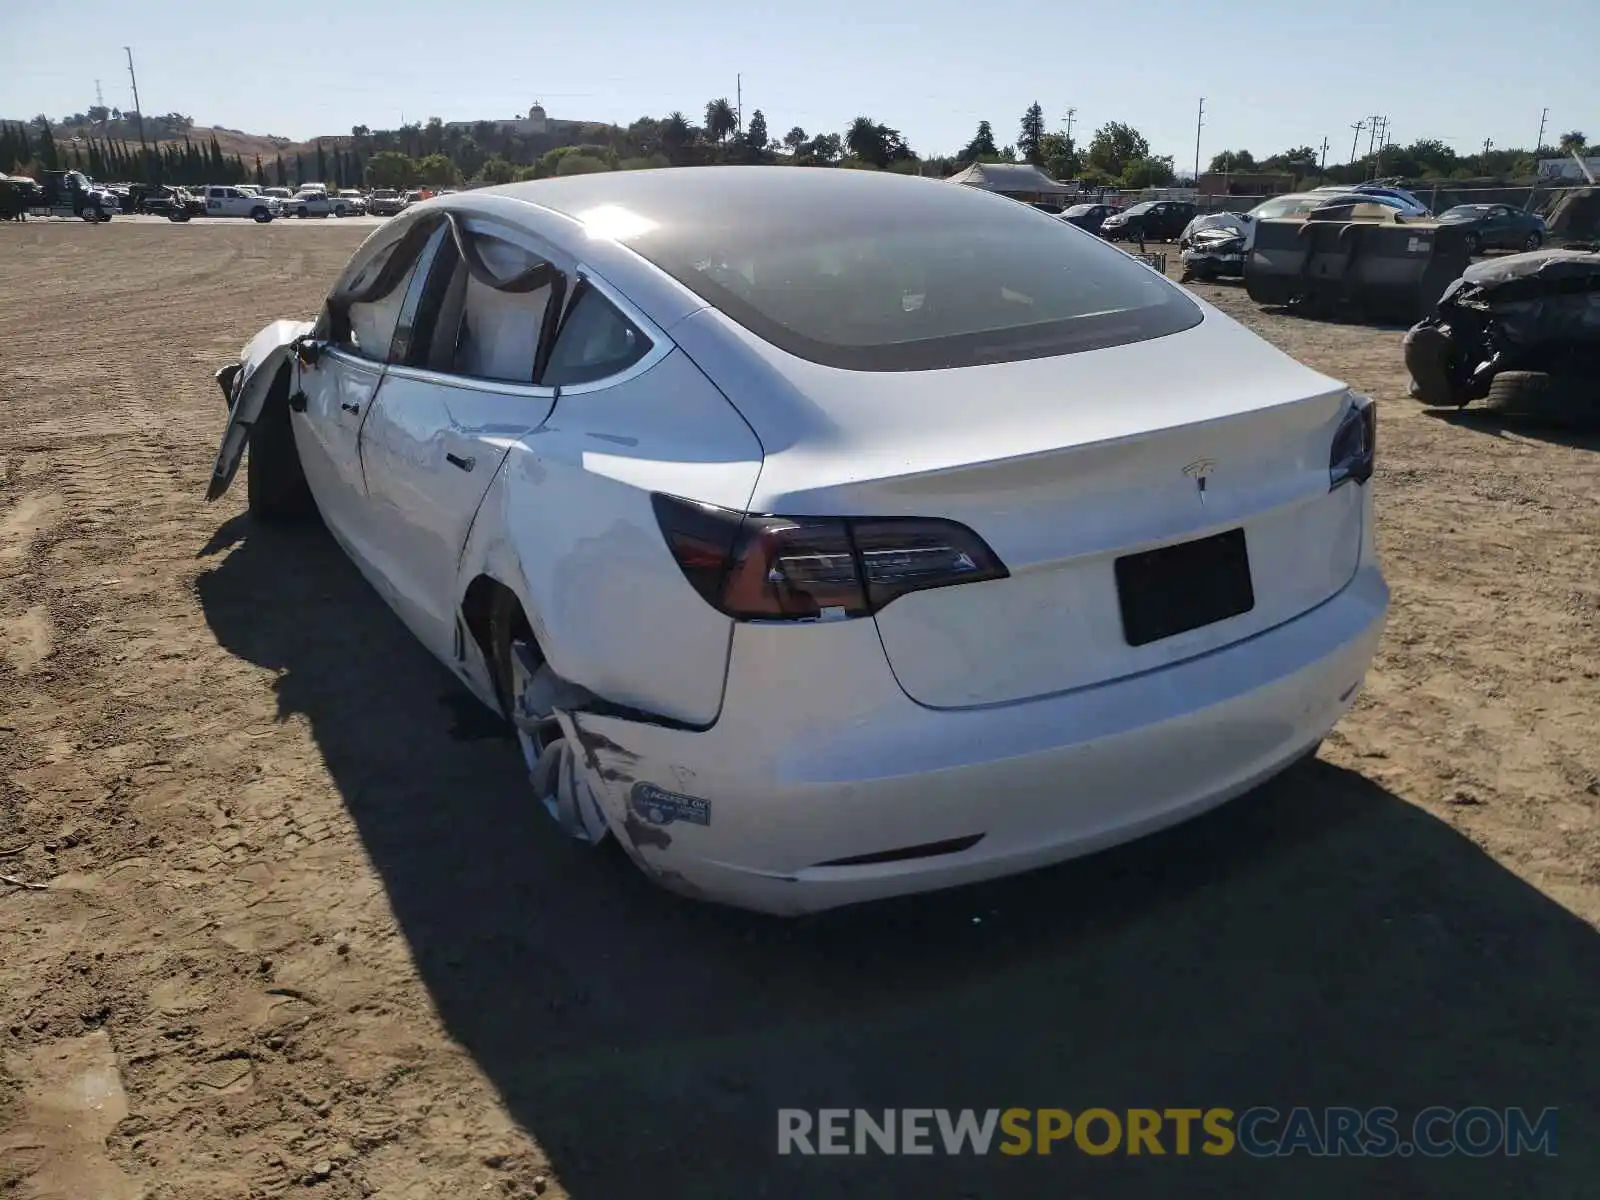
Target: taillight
[766,568]
[1355,445]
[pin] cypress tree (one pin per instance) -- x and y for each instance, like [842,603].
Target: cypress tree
[322,165]
[279,180]
[261,176]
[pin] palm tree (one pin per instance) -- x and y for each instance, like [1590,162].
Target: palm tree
[1573,142]
[720,120]
[675,130]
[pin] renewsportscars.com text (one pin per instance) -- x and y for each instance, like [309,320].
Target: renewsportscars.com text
[1260,1132]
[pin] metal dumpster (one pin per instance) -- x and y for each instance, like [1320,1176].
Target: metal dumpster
[1358,257]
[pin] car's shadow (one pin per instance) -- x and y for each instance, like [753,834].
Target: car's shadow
[1579,436]
[1319,942]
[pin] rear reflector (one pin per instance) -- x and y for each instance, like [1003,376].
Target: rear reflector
[764,568]
[904,853]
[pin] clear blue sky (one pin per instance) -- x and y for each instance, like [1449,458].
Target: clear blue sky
[1274,74]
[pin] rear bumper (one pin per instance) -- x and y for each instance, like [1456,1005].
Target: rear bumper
[820,757]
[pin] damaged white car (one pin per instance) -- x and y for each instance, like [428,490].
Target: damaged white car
[829,535]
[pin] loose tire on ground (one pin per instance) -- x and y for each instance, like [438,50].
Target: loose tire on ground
[275,483]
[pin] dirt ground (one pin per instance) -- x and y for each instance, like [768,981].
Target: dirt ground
[278,913]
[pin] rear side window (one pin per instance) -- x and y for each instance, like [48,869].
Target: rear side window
[945,285]
[483,330]
[596,341]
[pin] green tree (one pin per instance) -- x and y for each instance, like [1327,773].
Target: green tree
[1115,145]
[821,151]
[581,164]
[261,175]
[280,177]
[981,146]
[1232,160]
[1148,172]
[1059,156]
[1300,161]
[648,162]
[755,136]
[45,149]
[721,120]
[436,170]
[1032,133]
[794,139]
[497,170]
[1573,141]
[322,165]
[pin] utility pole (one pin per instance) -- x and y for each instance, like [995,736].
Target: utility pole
[1372,133]
[738,102]
[1199,124]
[1487,142]
[1356,141]
[1539,141]
[1322,166]
[1072,116]
[138,108]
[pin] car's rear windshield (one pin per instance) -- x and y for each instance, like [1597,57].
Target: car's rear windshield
[911,276]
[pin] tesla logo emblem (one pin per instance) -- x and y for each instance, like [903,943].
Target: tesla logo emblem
[1199,471]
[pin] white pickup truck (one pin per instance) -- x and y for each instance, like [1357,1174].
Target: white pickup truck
[222,201]
[312,200]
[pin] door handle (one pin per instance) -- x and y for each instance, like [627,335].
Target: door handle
[349,406]
[455,460]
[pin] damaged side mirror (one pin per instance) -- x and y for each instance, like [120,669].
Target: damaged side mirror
[308,351]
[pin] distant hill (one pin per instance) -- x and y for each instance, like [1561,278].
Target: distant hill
[172,129]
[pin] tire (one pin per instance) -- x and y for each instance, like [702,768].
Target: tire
[275,483]
[1532,242]
[1428,350]
[1474,245]
[339,212]
[1552,399]
[260,215]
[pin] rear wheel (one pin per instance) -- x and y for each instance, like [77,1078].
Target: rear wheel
[1532,242]
[275,484]
[1474,244]
[527,689]
[260,215]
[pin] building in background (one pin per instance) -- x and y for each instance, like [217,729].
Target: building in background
[534,122]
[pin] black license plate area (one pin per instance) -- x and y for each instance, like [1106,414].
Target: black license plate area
[1178,588]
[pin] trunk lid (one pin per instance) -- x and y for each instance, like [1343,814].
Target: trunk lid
[1063,466]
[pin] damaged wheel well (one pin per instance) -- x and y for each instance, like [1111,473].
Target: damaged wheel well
[493,616]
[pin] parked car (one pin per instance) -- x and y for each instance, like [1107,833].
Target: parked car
[279,194]
[1400,199]
[1088,216]
[385,202]
[1497,227]
[1149,221]
[310,201]
[1132,582]
[1521,333]
[18,196]
[61,194]
[175,203]
[348,202]
[226,200]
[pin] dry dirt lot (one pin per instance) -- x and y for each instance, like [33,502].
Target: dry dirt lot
[278,913]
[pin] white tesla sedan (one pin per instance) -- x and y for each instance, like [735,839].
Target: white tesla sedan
[829,535]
